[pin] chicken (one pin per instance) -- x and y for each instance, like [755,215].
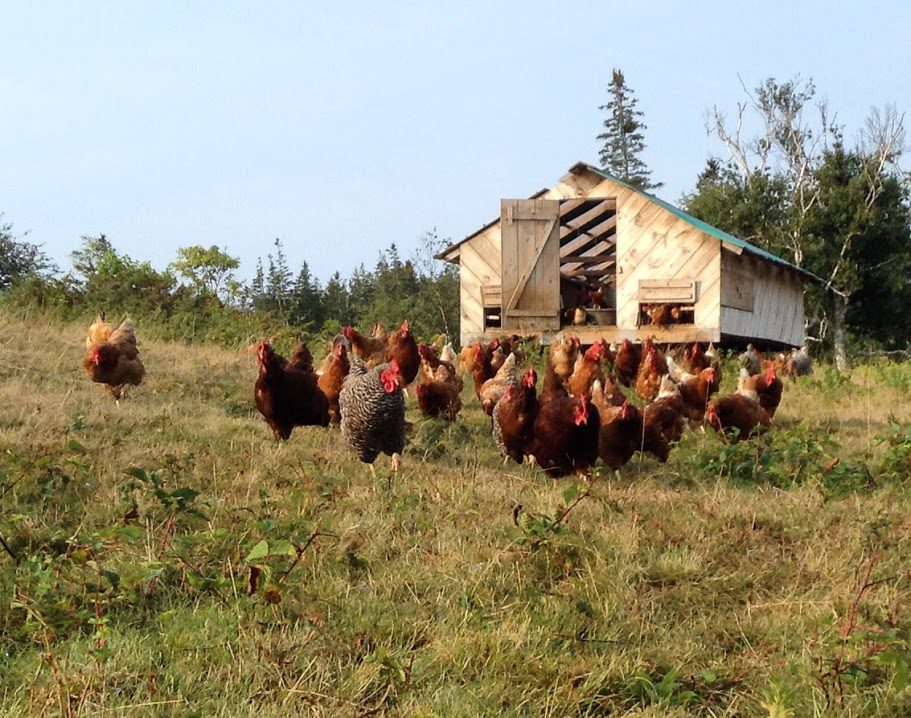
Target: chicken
[652,368]
[750,360]
[695,391]
[664,420]
[496,356]
[740,411]
[373,411]
[565,436]
[553,386]
[580,316]
[403,349]
[301,358]
[768,389]
[334,370]
[798,363]
[663,314]
[439,399]
[430,363]
[627,361]
[287,396]
[447,354]
[514,417]
[112,358]
[620,430]
[492,390]
[695,359]
[586,371]
[563,355]
[370,350]
[736,412]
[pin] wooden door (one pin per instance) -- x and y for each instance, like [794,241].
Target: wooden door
[530,246]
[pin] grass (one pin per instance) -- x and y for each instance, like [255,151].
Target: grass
[227,575]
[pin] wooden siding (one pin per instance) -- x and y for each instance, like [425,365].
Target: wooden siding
[777,300]
[479,265]
[653,244]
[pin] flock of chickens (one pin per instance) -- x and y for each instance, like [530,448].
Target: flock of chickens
[580,415]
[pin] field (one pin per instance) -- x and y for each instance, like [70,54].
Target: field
[226,575]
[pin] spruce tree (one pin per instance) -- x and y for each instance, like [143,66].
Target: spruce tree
[622,137]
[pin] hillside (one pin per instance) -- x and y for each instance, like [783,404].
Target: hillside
[765,579]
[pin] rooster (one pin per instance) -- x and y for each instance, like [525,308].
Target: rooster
[112,358]
[334,370]
[287,396]
[403,349]
[565,436]
[373,411]
[514,417]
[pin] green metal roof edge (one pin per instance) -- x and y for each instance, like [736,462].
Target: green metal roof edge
[705,226]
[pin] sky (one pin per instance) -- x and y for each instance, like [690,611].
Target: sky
[344,127]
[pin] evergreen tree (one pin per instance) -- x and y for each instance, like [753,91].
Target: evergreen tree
[622,137]
[278,282]
[335,301]
[305,302]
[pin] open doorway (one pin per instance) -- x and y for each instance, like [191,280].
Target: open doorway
[588,261]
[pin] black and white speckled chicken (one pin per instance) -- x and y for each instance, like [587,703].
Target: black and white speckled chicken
[373,411]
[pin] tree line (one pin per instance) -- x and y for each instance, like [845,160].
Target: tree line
[198,297]
[785,178]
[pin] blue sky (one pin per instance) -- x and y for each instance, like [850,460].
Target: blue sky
[344,127]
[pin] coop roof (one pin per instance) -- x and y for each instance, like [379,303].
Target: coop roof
[734,243]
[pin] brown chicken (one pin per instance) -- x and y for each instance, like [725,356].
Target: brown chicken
[694,359]
[695,390]
[438,399]
[553,387]
[563,355]
[112,357]
[565,436]
[626,362]
[514,417]
[301,358]
[664,420]
[402,348]
[740,411]
[587,371]
[434,368]
[492,390]
[372,351]
[334,370]
[652,368]
[620,431]
[287,396]
[768,388]
[663,314]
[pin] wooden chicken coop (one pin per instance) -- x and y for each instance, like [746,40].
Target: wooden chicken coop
[596,257]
